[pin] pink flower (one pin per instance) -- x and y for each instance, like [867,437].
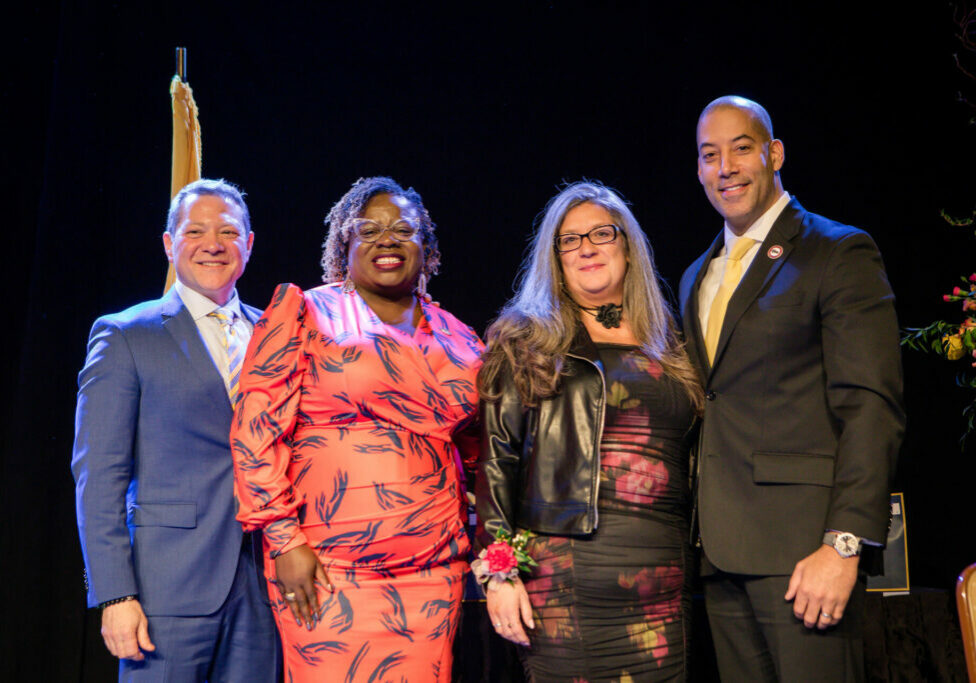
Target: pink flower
[661,651]
[612,458]
[542,583]
[972,278]
[652,585]
[946,297]
[644,483]
[500,558]
[959,291]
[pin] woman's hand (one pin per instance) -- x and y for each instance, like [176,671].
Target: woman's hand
[298,570]
[509,608]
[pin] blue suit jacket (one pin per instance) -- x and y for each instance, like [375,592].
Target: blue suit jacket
[152,464]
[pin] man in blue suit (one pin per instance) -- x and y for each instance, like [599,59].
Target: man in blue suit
[177,580]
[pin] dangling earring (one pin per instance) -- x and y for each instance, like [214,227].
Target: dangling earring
[348,286]
[421,288]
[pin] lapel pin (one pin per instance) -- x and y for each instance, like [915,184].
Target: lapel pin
[775,252]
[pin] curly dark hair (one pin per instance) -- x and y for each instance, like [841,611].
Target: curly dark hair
[335,248]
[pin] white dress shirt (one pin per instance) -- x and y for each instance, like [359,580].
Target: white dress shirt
[716,267]
[200,308]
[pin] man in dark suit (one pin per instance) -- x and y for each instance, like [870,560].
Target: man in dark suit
[178,582]
[791,321]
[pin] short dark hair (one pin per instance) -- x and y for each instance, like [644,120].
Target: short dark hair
[206,186]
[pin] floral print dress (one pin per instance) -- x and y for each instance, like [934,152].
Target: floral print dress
[614,605]
[347,439]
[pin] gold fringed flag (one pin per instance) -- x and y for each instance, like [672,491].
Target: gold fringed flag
[186,145]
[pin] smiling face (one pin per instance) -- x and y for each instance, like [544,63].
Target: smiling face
[594,274]
[210,246]
[387,267]
[737,165]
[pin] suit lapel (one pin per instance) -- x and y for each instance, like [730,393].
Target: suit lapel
[693,331]
[177,321]
[763,269]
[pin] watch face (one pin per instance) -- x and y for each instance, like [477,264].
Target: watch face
[846,544]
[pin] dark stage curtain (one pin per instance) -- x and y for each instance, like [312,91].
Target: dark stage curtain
[483,109]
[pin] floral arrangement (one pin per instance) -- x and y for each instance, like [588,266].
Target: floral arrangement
[957,341]
[953,341]
[504,559]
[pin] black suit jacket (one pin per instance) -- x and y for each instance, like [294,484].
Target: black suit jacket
[803,417]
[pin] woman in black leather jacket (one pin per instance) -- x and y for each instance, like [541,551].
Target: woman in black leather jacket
[588,401]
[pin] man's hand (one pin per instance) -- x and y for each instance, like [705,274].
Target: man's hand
[298,570]
[508,608]
[125,630]
[821,586]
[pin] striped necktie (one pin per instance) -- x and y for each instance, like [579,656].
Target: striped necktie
[730,280]
[235,347]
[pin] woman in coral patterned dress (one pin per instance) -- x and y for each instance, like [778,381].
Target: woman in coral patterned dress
[355,400]
[589,401]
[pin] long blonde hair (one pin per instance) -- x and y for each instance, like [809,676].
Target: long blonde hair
[534,330]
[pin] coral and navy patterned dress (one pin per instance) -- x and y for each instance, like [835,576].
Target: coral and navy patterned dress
[347,438]
[613,606]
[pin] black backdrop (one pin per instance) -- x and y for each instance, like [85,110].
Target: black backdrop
[484,108]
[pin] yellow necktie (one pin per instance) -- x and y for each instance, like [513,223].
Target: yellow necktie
[730,280]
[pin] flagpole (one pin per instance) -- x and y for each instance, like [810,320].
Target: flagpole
[181,63]
[186,137]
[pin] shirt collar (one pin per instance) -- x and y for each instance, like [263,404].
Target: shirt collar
[758,230]
[200,306]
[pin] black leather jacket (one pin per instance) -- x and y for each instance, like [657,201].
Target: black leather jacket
[540,467]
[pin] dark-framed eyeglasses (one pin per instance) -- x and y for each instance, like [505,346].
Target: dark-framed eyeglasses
[601,234]
[371,231]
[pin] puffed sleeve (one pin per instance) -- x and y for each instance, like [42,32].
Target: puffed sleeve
[265,417]
[503,426]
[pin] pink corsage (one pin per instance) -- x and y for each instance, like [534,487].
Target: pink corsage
[503,560]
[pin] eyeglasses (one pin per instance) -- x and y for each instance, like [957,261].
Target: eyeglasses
[370,231]
[571,241]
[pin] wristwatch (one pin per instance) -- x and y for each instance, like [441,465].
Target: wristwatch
[845,543]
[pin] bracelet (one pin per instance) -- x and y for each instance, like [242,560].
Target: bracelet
[504,559]
[109,603]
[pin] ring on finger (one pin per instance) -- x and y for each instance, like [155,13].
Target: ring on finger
[290,596]
[826,615]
